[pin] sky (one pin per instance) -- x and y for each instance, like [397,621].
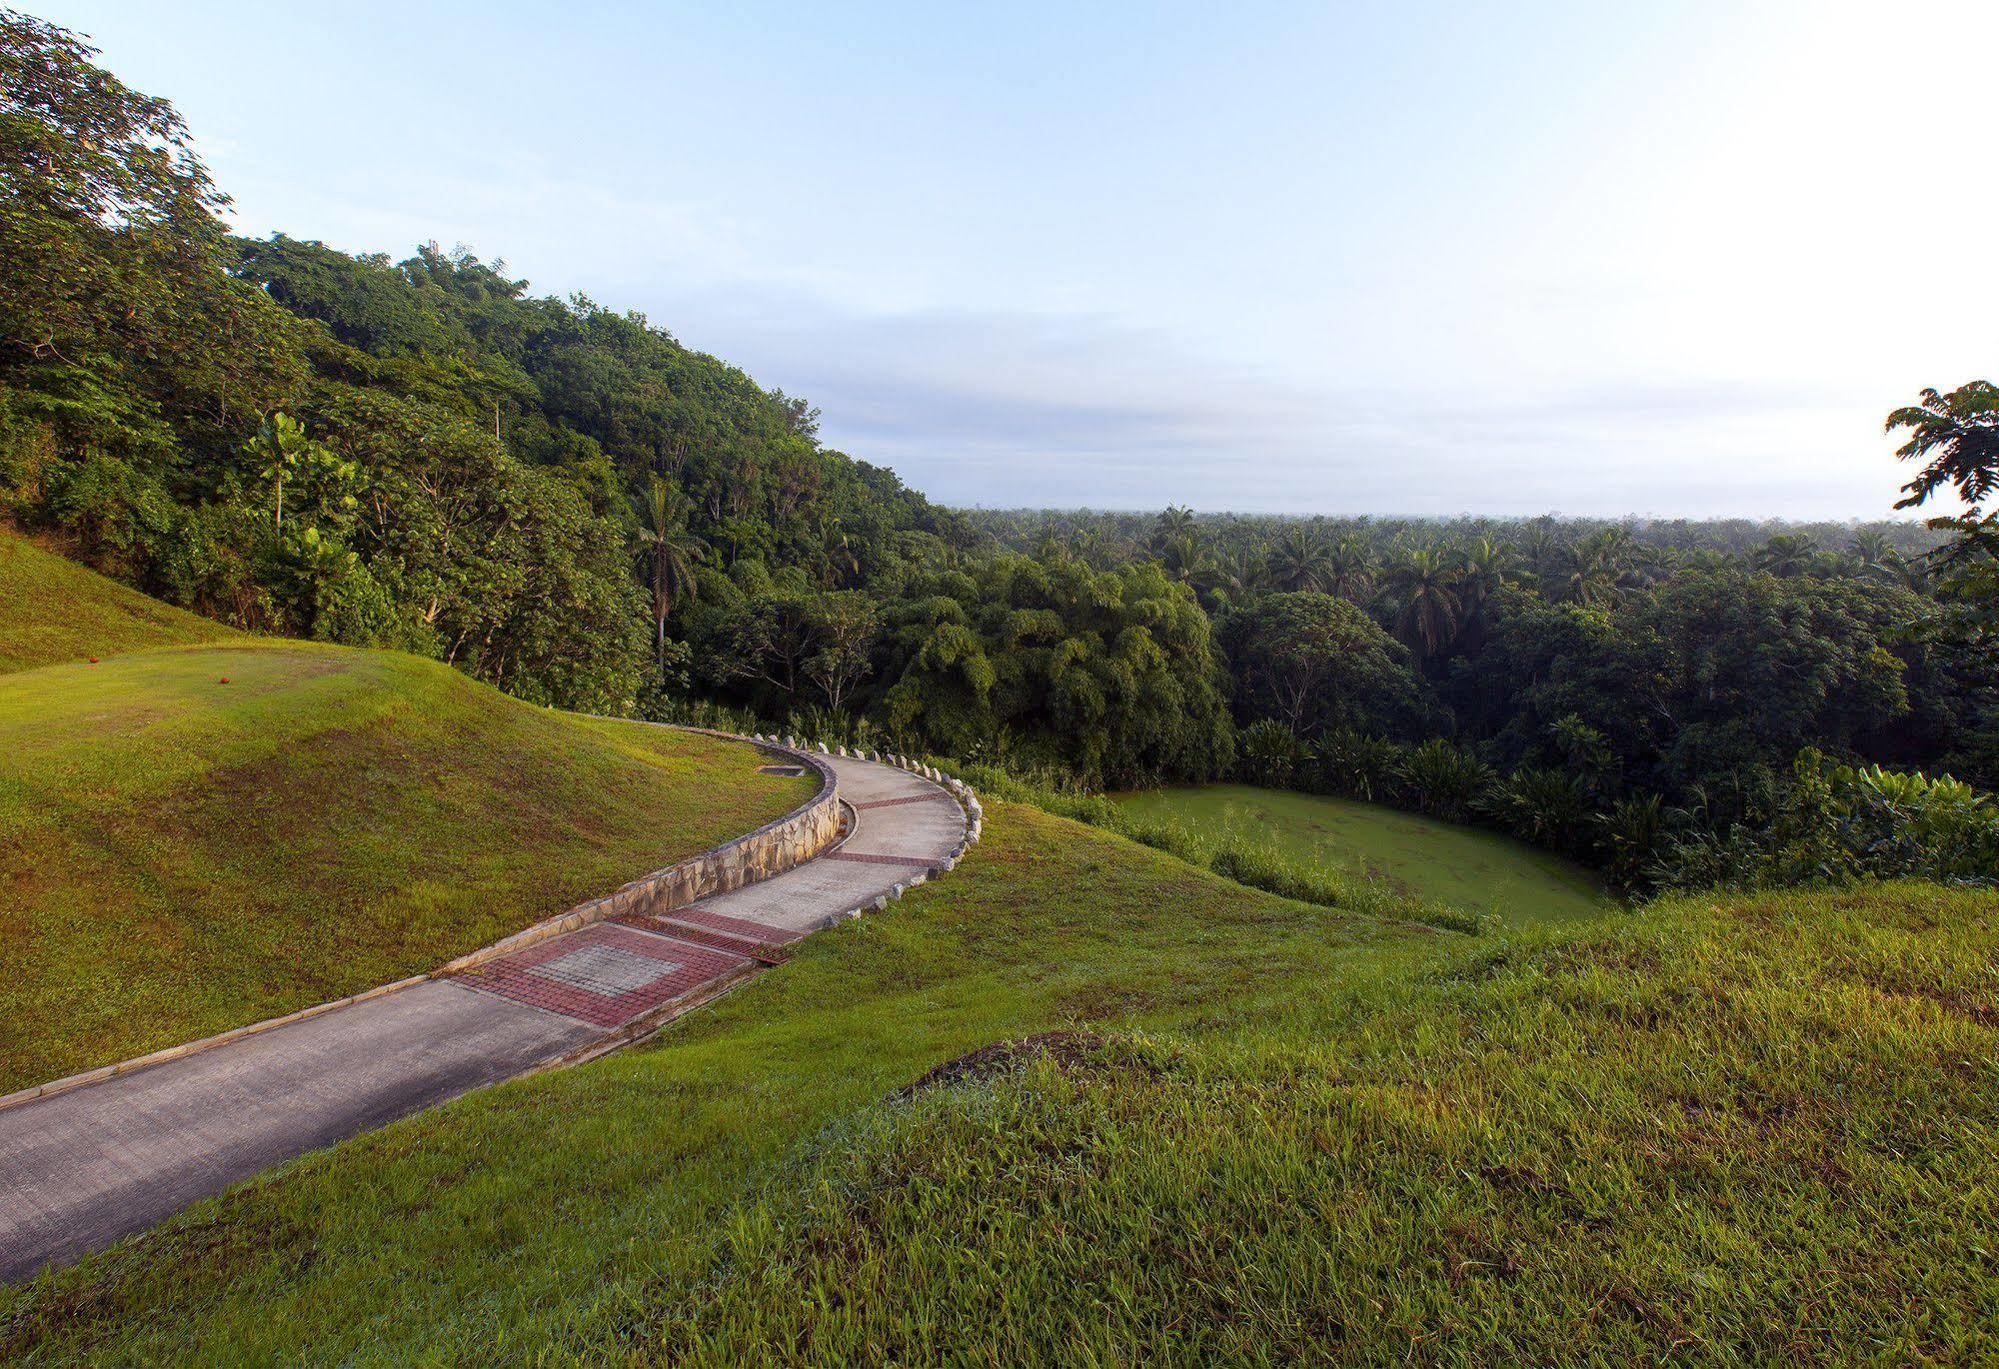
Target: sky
[1672,259]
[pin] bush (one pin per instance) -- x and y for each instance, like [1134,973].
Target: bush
[1268,754]
[1443,781]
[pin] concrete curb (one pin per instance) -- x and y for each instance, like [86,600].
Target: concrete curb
[187,1048]
[660,891]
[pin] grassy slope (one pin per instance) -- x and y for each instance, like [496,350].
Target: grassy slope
[52,609]
[1759,1130]
[1461,867]
[179,856]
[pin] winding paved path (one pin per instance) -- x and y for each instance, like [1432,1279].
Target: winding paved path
[83,1168]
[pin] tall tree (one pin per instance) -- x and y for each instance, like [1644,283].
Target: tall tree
[1428,612]
[1299,561]
[671,554]
[1956,437]
[1318,662]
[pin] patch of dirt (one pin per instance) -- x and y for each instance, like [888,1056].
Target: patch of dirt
[1069,1049]
[1468,1254]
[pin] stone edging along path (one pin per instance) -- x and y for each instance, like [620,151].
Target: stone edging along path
[784,843]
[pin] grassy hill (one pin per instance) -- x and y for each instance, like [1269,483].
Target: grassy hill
[52,609]
[194,838]
[1718,1131]
[1460,867]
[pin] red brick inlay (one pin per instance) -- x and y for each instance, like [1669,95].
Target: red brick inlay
[736,926]
[924,862]
[907,798]
[769,952]
[516,976]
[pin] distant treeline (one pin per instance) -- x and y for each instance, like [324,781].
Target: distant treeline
[1024,529]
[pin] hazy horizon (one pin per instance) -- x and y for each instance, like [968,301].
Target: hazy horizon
[1432,262]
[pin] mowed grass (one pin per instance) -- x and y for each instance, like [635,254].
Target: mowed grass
[180,855]
[52,609]
[1711,1131]
[1460,867]
[549,1217]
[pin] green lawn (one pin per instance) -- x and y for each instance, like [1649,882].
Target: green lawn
[1461,867]
[180,855]
[1709,1131]
[52,609]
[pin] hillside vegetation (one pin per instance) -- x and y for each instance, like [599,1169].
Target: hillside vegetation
[1719,1131]
[1460,867]
[52,609]
[194,838]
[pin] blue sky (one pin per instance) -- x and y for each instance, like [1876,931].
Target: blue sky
[1396,258]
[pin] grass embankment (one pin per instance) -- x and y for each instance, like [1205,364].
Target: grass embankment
[179,856]
[1750,1130]
[52,609]
[1460,867]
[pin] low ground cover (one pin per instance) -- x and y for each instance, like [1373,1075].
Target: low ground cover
[1461,867]
[52,609]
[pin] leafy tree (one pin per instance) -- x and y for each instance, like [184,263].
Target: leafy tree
[1956,437]
[1111,675]
[844,626]
[1314,661]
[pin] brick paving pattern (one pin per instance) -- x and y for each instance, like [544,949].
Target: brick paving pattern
[766,952]
[934,796]
[737,926]
[914,862]
[607,975]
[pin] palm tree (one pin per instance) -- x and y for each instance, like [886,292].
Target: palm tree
[1909,572]
[1174,521]
[1787,554]
[1428,610]
[1181,555]
[670,550]
[1227,576]
[1600,569]
[1543,547]
[840,556]
[1298,561]
[1350,569]
[1871,549]
[1484,568]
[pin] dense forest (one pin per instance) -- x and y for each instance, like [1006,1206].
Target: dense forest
[568,502]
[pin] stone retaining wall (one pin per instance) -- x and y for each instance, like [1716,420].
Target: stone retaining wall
[771,849]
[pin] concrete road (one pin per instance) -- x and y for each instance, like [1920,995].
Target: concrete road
[83,1168]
